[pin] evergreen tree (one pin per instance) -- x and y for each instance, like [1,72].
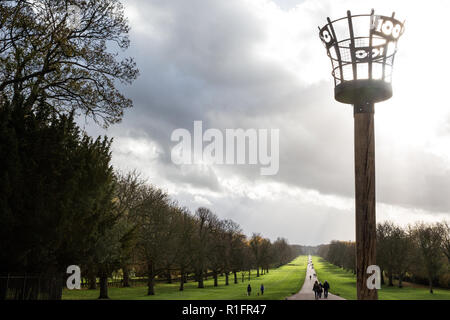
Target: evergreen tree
[56,186]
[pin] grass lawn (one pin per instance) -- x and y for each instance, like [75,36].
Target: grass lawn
[343,283]
[278,283]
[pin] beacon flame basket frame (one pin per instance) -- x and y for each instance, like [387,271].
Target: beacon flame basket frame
[362,49]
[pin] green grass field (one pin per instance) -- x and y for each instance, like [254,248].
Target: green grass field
[279,283]
[343,283]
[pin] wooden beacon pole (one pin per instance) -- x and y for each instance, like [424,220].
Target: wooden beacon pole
[362,72]
[365,198]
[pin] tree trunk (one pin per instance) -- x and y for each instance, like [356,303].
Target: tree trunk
[151,280]
[249,271]
[257,271]
[200,279]
[169,276]
[235,277]
[215,278]
[226,278]
[382,276]
[391,283]
[182,280]
[400,280]
[92,281]
[57,295]
[126,276]
[103,287]
[430,281]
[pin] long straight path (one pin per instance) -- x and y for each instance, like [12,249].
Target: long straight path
[307,293]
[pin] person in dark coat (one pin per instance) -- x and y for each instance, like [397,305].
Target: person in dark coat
[249,289]
[320,290]
[316,290]
[326,287]
[262,289]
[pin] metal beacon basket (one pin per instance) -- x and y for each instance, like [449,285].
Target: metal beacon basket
[362,49]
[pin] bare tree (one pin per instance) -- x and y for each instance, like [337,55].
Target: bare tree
[402,248]
[256,243]
[184,248]
[428,239]
[234,245]
[445,231]
[217,248]
[385,249]
[204,218]
[47,63]
[266,255]
[281,252]
[128,188]
[155,232]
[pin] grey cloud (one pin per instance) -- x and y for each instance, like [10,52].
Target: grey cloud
[203,67]
[300,223]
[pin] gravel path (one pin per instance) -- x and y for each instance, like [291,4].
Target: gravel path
[306,293]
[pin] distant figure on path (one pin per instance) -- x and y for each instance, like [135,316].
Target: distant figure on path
[249,289]
[326,287]
[262,289]
[316,290]
[309,277]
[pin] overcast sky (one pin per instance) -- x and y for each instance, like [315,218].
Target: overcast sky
[260,64]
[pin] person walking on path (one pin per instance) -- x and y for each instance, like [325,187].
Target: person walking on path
[262,289]
[326,287]
[249,289]
[316,290]
[320,290]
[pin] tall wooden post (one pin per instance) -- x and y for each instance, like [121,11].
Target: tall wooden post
[365,198]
